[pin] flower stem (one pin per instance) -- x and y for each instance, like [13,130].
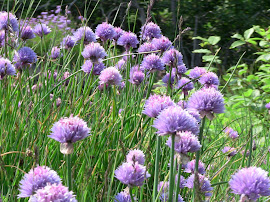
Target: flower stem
[171,179]
[69,171]
[130,193]
[156,169]
[178,182]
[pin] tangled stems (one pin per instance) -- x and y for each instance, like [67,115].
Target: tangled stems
[156,169]
[171,179]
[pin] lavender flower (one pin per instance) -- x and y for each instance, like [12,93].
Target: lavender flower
[174,119]
[118,32]
[182,181]
[24,57]
[136,75]
[110,76]
[196,72]
[252,182]
[86,34]
[37,178]
[185,84]
[8,20]
[6,68]
[190,167]
[162,43]
[231,133]
[152,63]
[105,31]
[2,38]
[89,67]
[185,142]
[267,105]
[205,185]
[55,53]
[181,69]
[68,42]
[182,104]
[207,101]
[172,57]
[164,188]
[69,130]
[41,30]
[209,79]
[150,30]
[128,39]
[120,64]
[54,192]
[230,151]
[195,114]
[131,174]
[146,47]
[245,152]
[27,33]
[136,155]
[94,52]
[155,104]
[123,197]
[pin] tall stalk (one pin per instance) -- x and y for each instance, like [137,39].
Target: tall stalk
[156,169]
[69,183]
[171,179]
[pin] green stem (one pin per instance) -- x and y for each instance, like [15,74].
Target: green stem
[130,193]
[69,171]
[156,169]
[171,179]
[178,183]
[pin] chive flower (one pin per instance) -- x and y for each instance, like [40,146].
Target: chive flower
[6,68]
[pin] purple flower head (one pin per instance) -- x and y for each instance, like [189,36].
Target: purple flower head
[230,151]
[94,52]
[136,75]
[86,34]
[231,133]
[6,68]
[136,155]
[243,152]
[128,39]
[185,142]
[205,184]
[69,130]
[150,31]
[7,21]
[174,119]
[110,76]
[41,30]
[27,33]
[146,47]
[37,178]
[267,105]
[152,63]
[169,75]
[196,72]
[190,167]
[131,174]
[252,182]
[164,188]
[24,57]
[208,101]
[54,192]
[209,80]
[68,42]
[182,181]
[162,43]
[55,53]
[120,64]
[118,32]
[105,31]
[123,197]
[155,104]
[181,69]
[97,67]
[185,84]
[172,57]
